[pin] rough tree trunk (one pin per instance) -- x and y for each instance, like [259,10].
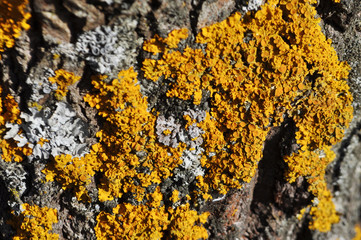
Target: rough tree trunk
[265,208]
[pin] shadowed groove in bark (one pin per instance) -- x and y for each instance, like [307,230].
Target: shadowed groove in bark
[194,14]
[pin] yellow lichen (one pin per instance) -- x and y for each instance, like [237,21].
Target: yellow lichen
[167,132]
[10,113]
[132,222]
[158,44]
[42,141]
[13,20]
[358,232]
[184,224]
[73,172]
[63,79]
[301,214]
[142,222]
[269,64]
[323,212]
[36,105]
[175,196]
[175,36]
[253,72]
[128,129]
[35,223]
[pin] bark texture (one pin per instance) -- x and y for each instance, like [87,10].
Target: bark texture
[266,207]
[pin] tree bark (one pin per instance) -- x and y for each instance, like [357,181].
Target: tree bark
[265,208]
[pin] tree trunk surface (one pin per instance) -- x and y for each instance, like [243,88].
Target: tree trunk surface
[264,208]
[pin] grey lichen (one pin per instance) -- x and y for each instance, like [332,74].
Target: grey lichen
[13,175]
[51,132]
[168,131]
[109,48]
[41,86]
[252,5]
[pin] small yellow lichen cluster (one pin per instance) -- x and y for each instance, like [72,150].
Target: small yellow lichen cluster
[63,79]
[272,63]
[128,130]
[157,44]
[323,212]
[12,21]
[73,173]
[184,223]
[35,223]
[133,222]
[9,113]
[358,232]
[187,67]
[150,222]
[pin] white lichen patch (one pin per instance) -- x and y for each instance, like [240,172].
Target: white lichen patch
[107,49]
[171,132]
[51,132]
[253,5]
[168,131]
[41,86]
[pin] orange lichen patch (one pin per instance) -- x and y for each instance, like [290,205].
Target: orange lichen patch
[358,232]
[232,163]
[73,172]
[312,165]
[317,127]
[128,130]
[187,70]
[9,109]
[203,188]
[12,21]
[144,222]
[132,222]
[154,45]
[308,163]
[10,113]
[273,63]
[154,69]
[42,141]
[323,212]
[63,79]
[167,132]
[11,152]
[175,196]
[157,44]
[186,223]
[301,214]
[189,121]
[35,223]
[175,36]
